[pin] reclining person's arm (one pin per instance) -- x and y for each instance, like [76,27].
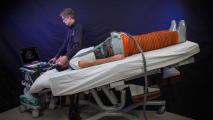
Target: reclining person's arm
[88,63]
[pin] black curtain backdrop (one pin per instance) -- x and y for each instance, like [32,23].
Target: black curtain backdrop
[36,23]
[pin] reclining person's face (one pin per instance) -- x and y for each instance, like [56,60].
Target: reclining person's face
[61,67]
[62,63]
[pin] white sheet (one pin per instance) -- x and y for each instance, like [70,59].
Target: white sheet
[73,81]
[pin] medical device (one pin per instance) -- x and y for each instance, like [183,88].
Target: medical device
[32,68]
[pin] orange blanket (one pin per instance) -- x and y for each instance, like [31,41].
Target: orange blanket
[149,41]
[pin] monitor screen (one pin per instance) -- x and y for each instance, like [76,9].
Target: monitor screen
[29,55]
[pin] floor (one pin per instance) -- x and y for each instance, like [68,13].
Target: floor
[62,113]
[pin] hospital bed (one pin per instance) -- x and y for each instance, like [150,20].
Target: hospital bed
[112,75]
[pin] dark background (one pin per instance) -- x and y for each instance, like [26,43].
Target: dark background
[36,23]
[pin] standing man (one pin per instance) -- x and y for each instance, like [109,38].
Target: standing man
[72,42]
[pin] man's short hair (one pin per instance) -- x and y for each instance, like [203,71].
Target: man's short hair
[67,12]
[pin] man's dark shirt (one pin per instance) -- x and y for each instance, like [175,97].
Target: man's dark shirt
[72,42]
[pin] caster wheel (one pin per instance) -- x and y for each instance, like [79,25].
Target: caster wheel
[161,110]
[22,108]
[51,106]
[52,103]
[35,113]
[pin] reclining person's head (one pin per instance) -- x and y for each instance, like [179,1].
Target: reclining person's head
[61,67]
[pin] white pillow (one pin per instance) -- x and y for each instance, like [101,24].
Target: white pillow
[42,81]
[90,56]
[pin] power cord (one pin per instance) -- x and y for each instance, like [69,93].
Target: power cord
[145,74]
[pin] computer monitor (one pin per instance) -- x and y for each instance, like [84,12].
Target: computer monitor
[29,55]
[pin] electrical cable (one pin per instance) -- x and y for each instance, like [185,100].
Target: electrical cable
[145,74]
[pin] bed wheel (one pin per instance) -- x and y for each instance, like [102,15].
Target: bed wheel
[35,113]
[51,106]
[52,103]
[22,108]
[161,110]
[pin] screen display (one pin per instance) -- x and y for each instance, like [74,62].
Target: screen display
[29,55]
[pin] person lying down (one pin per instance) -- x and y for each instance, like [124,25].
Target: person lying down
[119,45]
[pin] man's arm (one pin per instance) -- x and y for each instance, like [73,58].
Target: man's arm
[63,49]
[75,43]
[88,63]
[72,46]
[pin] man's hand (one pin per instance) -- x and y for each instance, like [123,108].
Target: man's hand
[53,60]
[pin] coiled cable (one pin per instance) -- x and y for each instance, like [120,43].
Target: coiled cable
[145,74]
